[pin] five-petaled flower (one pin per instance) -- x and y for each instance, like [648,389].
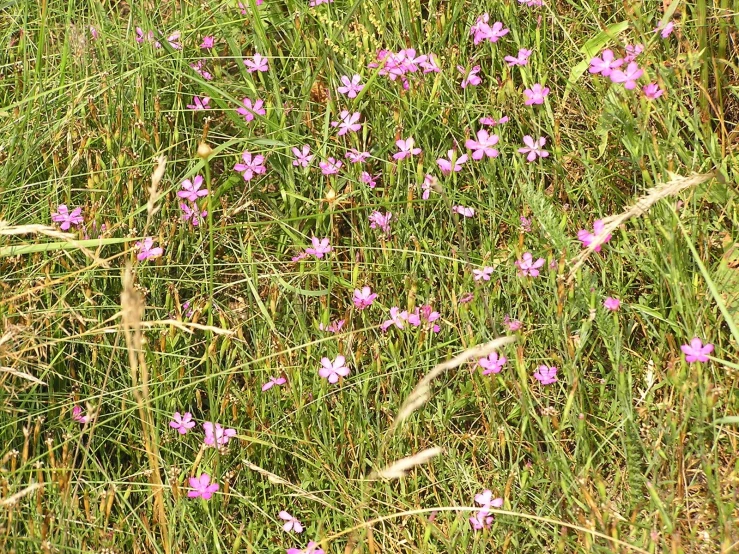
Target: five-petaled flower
[356,157]
[216,435]
[379,220]
[406,149]
[182,422]
[319,247]
[521,59]
[333,370]
[363,298]
[291,522]
[273,382]
[257,63]
[347,122]
[605,64]
[652,91]
[397,318]
[527,267]
[302,157]
[483,519]
[535,94]
[199,103]
[483,274]
[253,165]
[666,30]
[492,363]
[611,303]
[464,211]
[208,43]
[696,351]
[67,218]
[352,86]
[483,146]
[249,110]
[471,78]
[546,375]
[191,214]
[368,179]
[628,77]
[587,238]
[191,189]
[202,487]
[78,417]
[146,252]
[534,148]
[330,166]
[446,165]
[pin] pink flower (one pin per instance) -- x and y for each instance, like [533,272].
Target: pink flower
[330,166]
[183,423]
[535,94]
[250,110]
[612,303]
[356,157]
[274,381]
[481,520]
[319,248]
[257,63]
[605,64]
[199,103]
[425,315]
[333,370]
[364,298]
[397,318]
[146,252]
[546,375]
[78,417]
[483,274]
[242,7]
[532,3]
[483,146]
[512,324]
[201,487]
[464,211]
[492,363]
[351,87]
[191,189]
[291,522]
[587,238]
[628,77]
[347,122]
[378,220]
[368,179]
[192,214]
[173,41]
[93,32]
[447,167]
[534,148]
[215,435]
[428,183]
[141,36]
[525,224]
[471,78]
[333,327]
[67,218]
[466,298]
[665,31]
[486,120]
[302,158]
[632,51]
[406,149]
[312,547]
[252,166]
[482,31]
[521,59]
[486,500]
[313,4]
[208,43]
[652,91]
[527,267]
[198,68]
[428,63]
[696,351]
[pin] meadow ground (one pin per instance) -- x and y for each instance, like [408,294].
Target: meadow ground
[194,196]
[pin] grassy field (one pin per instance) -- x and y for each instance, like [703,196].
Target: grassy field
[247,354]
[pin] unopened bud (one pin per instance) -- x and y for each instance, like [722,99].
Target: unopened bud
[204,151]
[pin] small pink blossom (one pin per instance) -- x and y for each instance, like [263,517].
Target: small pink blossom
[397,318]
[483,274]
[182,422]
[527,267]
[652,91]
[534,148]
[464,211]
[532,3]
[330,166]
[216,435]
[302,158]
[347,122]
[257,63]
[352,86]
[425,316]
[291,522]
[93,32]
[627,77]
[202,487]
[146,252]
[191,214]
[429,63]
[78,417]
[249,110]
[632,51]
[199,103]
[191,189]
[406,149]
[525,224]
[492,363]
[208,43]
[605,64]
[198,68]
[483,146]
[521,59]
[356,157]
[363,298]
[512,324]
[253,165]
[546,375]
[67,218]
[471,78]
[587,238]
[446,165]
[379,220]
[696,351]
[466,298]
[427,186]
[274,382]
[611,303]
[319,247]
[313,4]
[487,120]
[312,547]
[333,327]
[368,179]
[481,30]
[666,30]
[535,94]
[333,370]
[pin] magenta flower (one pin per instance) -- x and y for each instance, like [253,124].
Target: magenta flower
[627,77]
[351,86]
[141,36]
[486,500]
[192,214]
[312,547]
[302,158]
[67,218]
[242,7]
[481,30]
[482,519]
[532,3]
[333,327]
[274,382]
[252,166]
[665,31]
[208,43]
[319,248]
[191,189]
[347,122]
[215,435]
[146,252]
[611,303]
[78,417]
[587,238]
[313,4]
[525,224]
[632,51]
[535,94]
[333,370]
[397,318]
[356,157]
[471,78]
[378,220]
[483,274]
[447,166]
[487,120]
[406,149]
[605,64]
[512,324]
[174,41]
[199,103]
[198,68]
[492,363]
[93,32]
[527,267]
[250,110]
[464,211]
[291,522]
[364,298]
[546,375]
[696,351]
[257,63]
[429,64]
[425,316]
[183,423]
[368,179]
[521,59]
[652,91]
[201,487]
[330,166]
[534,148]
[483,146]
[466,298]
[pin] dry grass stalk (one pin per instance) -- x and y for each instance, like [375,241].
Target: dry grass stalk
[22,375]
[132,310]
[422,392]
[277,480]
[154,194]
[400,468]
[11,500]
[642,206]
